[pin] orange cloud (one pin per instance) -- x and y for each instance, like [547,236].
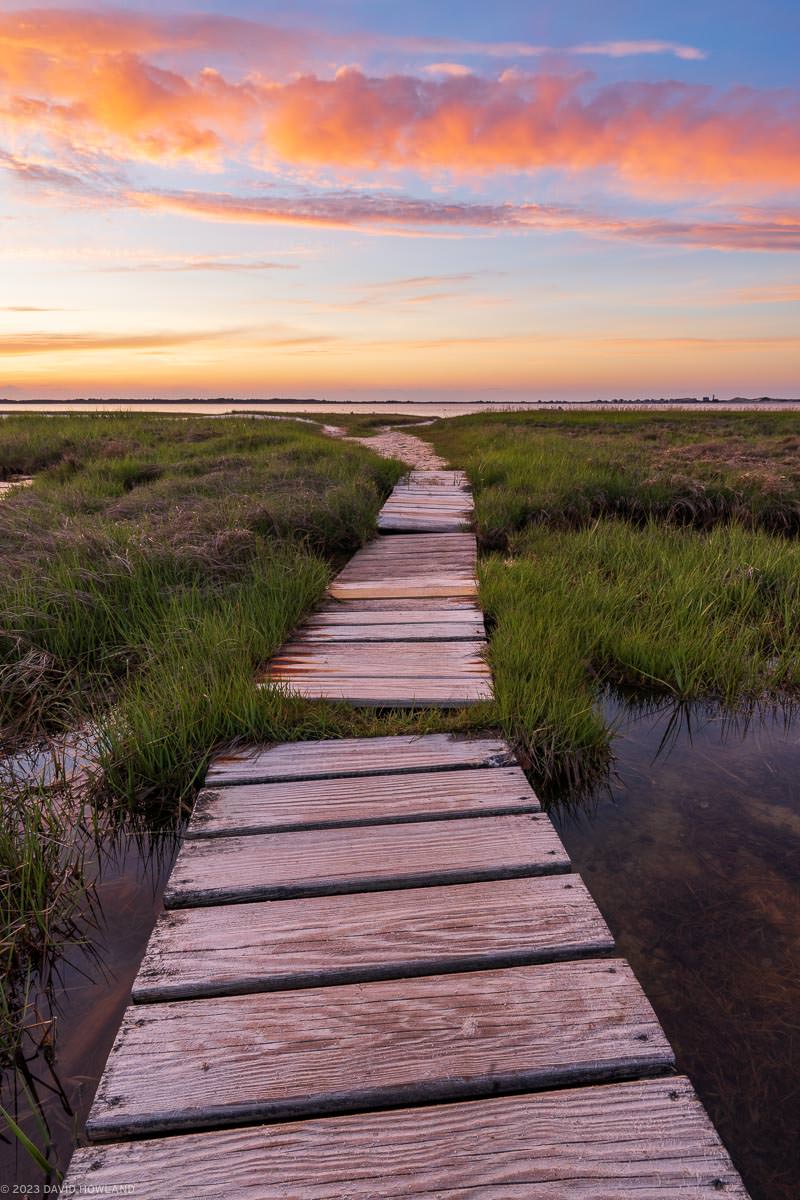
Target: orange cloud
[666,131]
[90,82]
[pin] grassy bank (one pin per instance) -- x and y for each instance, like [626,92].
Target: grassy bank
[163,556]
[152,566]
[567,469]
[628,551]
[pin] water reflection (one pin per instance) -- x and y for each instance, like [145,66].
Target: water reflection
[692,852]
[76,1002]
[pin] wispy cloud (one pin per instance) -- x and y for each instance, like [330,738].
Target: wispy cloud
[777,293]
[234,265]
[624,49]
[751,229]
[524,50]
[60,343]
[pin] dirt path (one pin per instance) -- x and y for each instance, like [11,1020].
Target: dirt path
[391,443]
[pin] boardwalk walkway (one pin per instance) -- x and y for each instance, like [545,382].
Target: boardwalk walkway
[377,975]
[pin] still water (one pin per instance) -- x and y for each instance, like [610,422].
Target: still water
[693,855]
[414,408]
[89,991]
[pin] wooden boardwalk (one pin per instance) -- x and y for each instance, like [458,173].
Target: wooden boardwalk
[377,976]
[402,627]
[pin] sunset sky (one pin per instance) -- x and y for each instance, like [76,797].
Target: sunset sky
[514,200]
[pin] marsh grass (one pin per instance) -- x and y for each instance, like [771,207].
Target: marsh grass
[566,470]
[153,564]
[149,543]
[645,553]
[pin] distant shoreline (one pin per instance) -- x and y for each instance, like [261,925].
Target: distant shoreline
[409,407]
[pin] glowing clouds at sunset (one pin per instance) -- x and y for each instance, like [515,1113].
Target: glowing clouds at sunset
[523,122]
[89,85]
[609,204]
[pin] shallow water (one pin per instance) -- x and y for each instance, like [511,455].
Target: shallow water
[693,856]
[89,994]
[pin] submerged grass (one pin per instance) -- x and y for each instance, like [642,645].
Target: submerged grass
[634,552]
[42,886]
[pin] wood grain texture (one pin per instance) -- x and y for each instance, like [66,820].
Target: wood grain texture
[360,614]
[365,692]
[405,661]
[431,631]
[351,757]
[440,564]
[273,866]
[389,523]
[237,1059]
[647,1140]
[368,800]
[385,674]
[371,693]
[238,948]
[454,604]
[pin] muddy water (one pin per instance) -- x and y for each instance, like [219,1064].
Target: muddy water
[90,991]
[693,856]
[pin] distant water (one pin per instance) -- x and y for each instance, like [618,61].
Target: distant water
[693,857]
[419,408]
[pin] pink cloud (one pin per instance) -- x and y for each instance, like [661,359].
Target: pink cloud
[351,210]
[91,83]
[670,132]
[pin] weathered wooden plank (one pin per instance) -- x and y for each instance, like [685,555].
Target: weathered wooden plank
[453,604]
[403,660]
[368,800]
[351,757]
[427,504]
[273,866]
[403,587]
[237,948]
[375,693]
[390,524]
[645,1140]
[231,1060]
[414,565]
[387,673]
[432,631]
[448,477]
[348,615]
